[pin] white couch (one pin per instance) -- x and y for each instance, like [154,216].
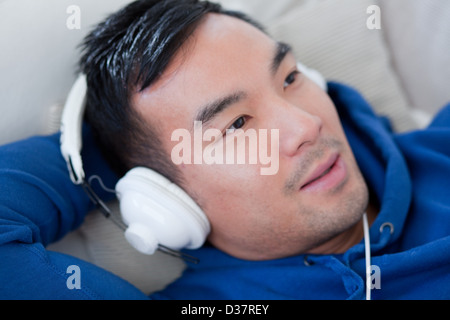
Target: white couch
[403,69]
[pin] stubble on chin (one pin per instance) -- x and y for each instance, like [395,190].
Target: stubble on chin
[324,221]
[326,224]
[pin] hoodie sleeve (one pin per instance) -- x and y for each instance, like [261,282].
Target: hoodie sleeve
[39,205]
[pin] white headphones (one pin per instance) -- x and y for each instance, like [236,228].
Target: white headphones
[157,213]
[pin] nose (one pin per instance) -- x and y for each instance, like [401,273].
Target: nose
[298,127]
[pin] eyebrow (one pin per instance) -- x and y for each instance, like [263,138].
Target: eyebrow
[281,51]
[212,109]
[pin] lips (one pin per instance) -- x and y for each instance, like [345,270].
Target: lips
[327,175]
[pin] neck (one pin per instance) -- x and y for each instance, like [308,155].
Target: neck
[347,239]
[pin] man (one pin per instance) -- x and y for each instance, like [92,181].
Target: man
[260,88]
[159,66]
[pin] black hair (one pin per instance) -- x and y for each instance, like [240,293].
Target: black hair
[125,54]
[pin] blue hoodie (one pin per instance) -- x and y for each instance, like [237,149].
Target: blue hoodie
[408,173]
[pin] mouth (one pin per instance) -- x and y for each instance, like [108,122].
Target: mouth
[326,176]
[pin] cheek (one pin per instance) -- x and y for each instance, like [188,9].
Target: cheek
[322,106]
[230,195]
[215,185]
[314,100]
[325,106]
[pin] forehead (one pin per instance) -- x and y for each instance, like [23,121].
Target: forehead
[224,55]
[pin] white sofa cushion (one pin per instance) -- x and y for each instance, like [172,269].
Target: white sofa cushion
[418,35]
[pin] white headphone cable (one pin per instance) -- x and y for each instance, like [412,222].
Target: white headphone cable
[367,254]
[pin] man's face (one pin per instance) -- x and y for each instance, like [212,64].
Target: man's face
[231,75]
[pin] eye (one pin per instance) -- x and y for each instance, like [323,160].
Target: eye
[290,79]
[238,124]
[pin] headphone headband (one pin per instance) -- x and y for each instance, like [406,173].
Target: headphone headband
[71,123]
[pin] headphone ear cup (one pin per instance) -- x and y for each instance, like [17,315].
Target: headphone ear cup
[157,211]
